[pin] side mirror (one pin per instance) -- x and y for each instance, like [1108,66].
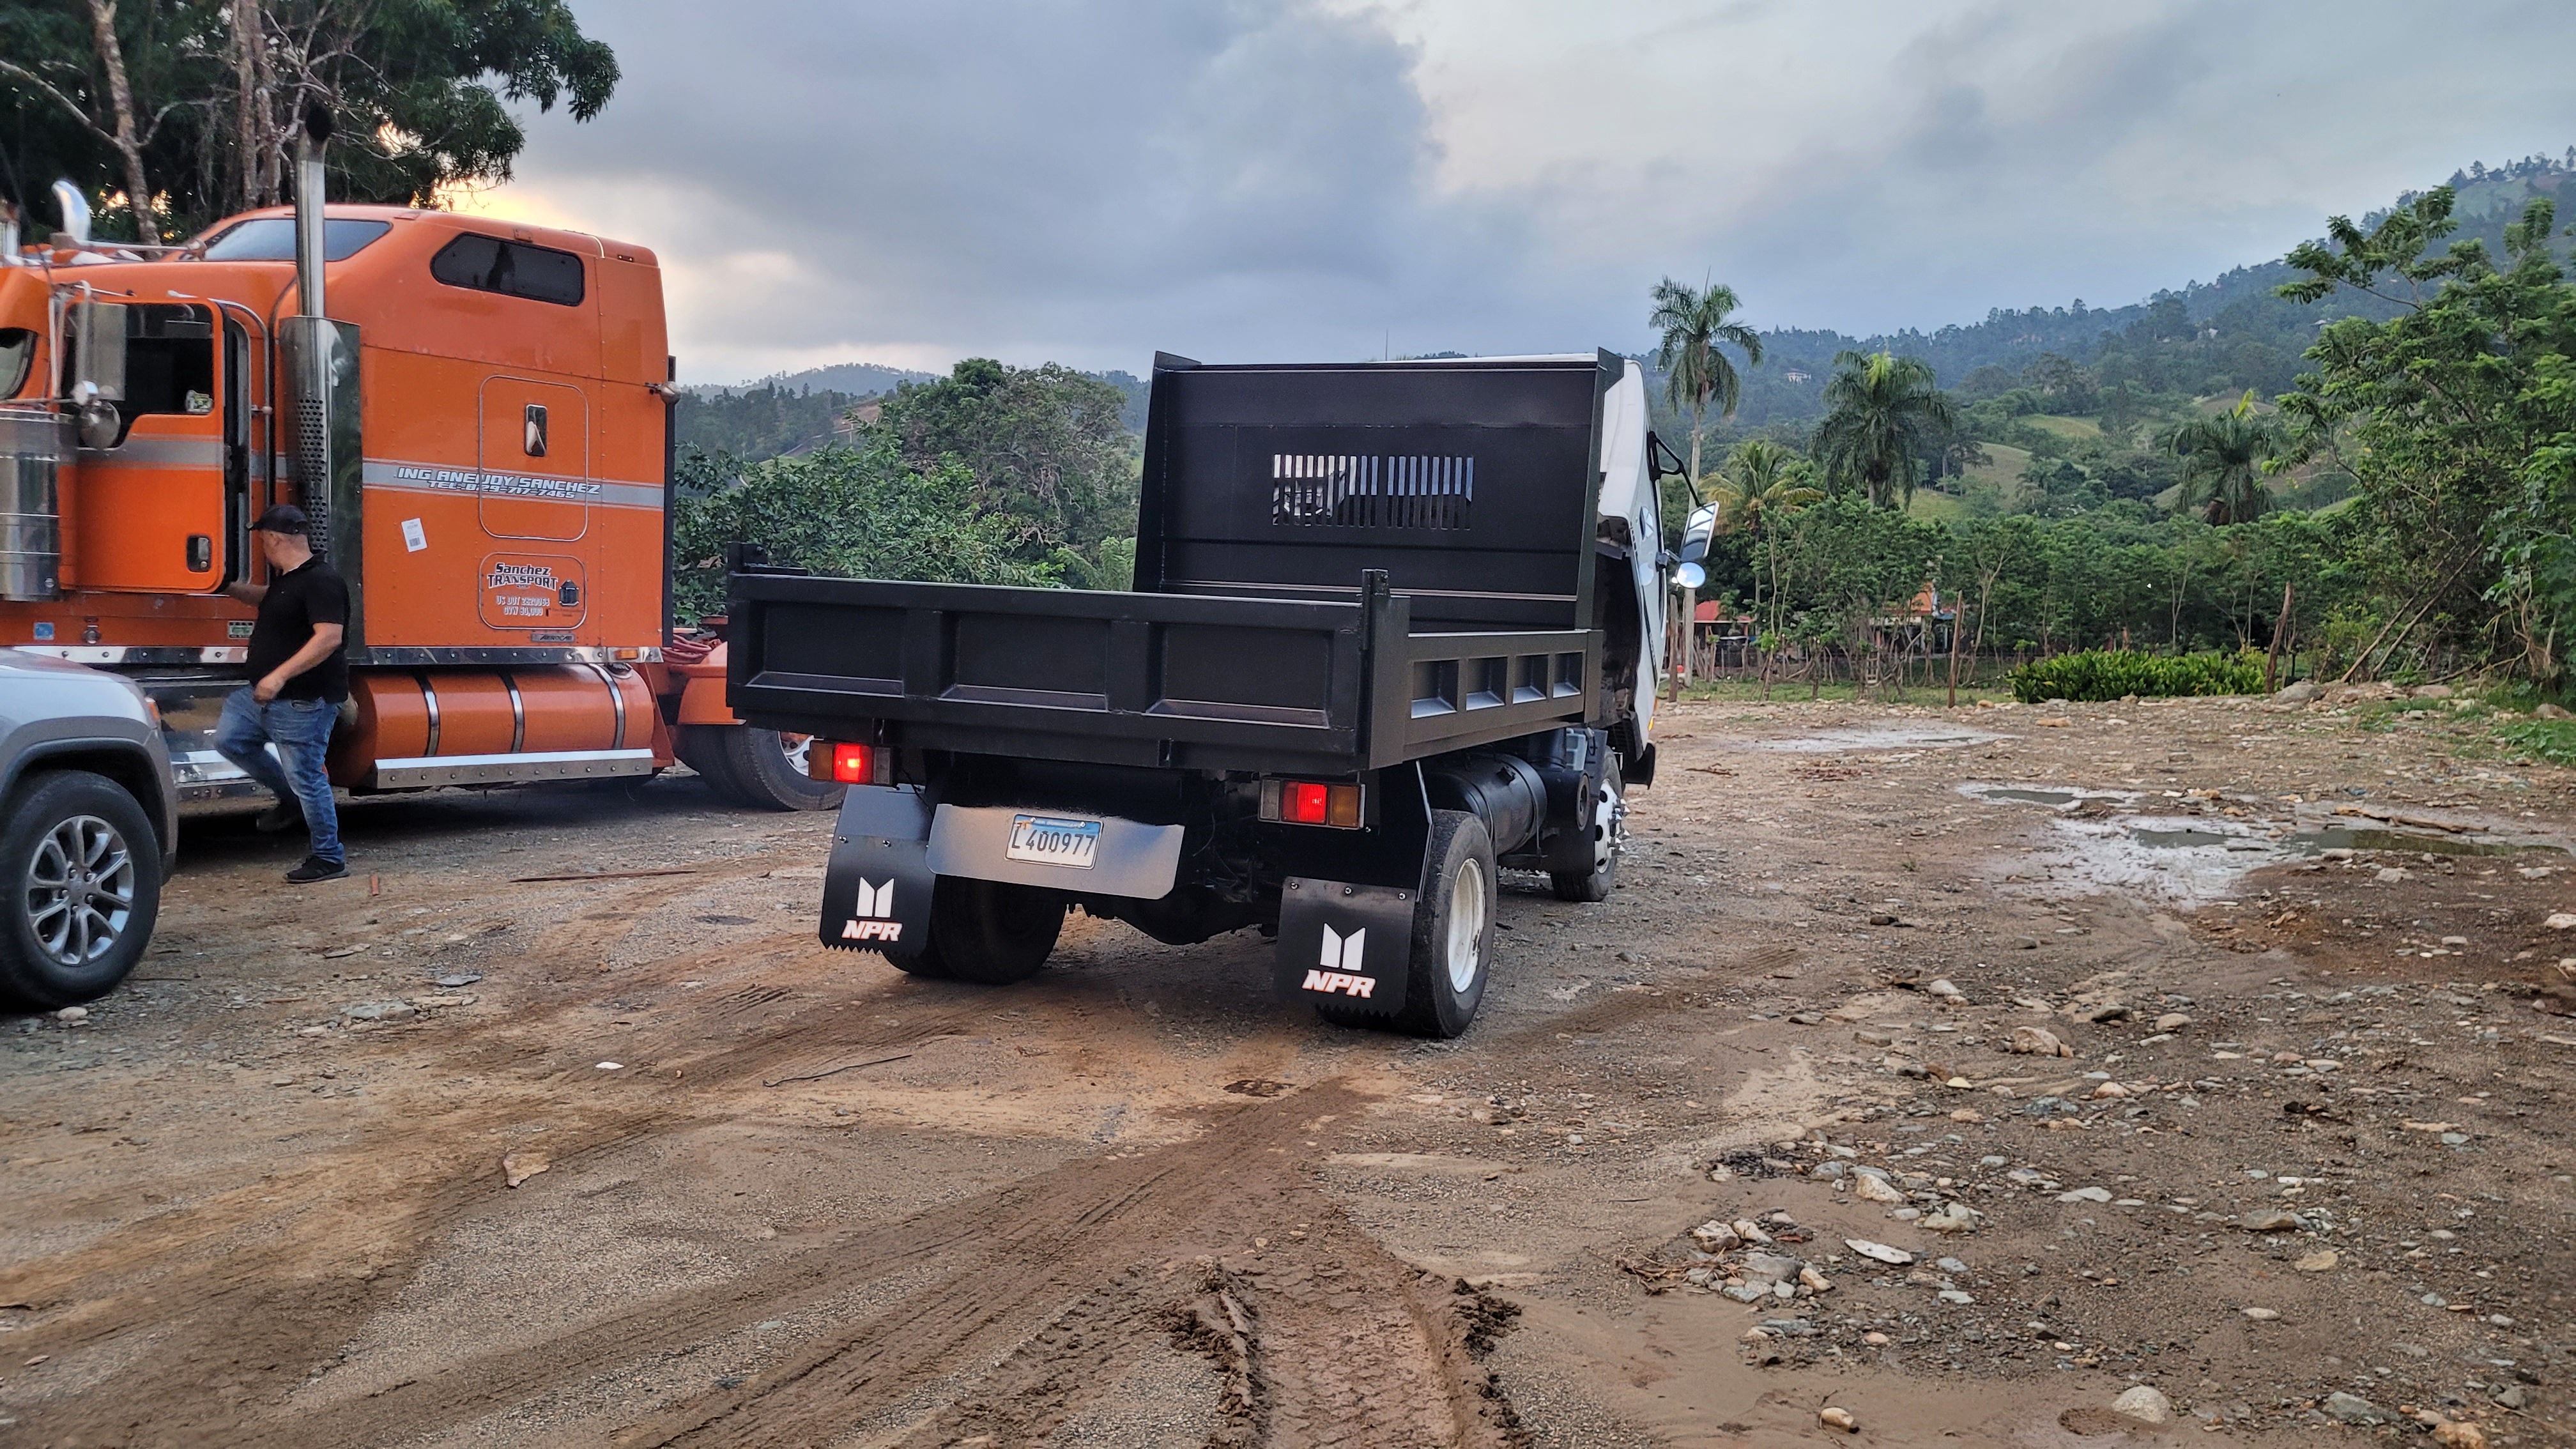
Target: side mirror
[98,352]
[1696,534]
[1690,576]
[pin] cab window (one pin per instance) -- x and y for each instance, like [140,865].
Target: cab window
[272,239]
[511,268]
[17,358]
[169,362]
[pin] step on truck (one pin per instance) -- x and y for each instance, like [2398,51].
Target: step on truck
[1395,627]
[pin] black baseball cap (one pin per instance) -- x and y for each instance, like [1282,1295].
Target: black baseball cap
[283,518]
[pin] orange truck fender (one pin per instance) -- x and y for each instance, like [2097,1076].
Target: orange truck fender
[702,691]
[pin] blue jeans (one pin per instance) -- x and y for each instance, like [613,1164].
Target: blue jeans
[301,730]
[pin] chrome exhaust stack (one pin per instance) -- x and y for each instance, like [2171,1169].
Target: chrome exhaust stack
[308,212]
[320,360]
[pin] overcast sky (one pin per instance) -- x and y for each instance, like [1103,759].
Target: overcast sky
[1260,180]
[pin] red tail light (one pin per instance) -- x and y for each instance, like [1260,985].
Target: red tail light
[1310,802]
[843,762]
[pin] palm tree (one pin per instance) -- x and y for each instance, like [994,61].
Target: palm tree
[1695,372]
[1761,484]
[1693,323]
[1882,411]
[2222,462]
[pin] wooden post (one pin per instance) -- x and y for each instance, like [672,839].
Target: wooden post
[2280,626]
[1958,616]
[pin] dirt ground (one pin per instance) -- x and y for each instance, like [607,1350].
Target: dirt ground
[2311,1140]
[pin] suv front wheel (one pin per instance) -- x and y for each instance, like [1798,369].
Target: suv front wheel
[83,880]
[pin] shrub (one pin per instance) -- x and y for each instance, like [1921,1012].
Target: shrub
[2103,674]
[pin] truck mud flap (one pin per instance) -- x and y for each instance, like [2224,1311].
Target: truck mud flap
[876,892]
[1346,946]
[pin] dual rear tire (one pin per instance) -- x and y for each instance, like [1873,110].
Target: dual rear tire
[755,768]
[987,932]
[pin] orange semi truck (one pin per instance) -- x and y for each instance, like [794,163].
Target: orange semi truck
[476,415]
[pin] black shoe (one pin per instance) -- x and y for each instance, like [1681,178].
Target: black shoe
[316,868]
[279,818]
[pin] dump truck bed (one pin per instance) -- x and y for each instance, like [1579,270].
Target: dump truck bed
[1340,567]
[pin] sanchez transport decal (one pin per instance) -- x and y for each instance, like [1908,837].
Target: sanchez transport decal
[532,591]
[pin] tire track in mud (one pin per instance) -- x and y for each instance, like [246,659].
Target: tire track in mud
[1030,1297]
[275,1272]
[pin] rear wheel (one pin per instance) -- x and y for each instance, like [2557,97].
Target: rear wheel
[1453,934]
[990,932]
[1609,811]
[928,966]
[82,873]
[762,769]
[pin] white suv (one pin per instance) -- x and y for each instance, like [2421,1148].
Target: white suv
[89,826]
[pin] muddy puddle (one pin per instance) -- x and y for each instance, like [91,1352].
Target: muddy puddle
[2125,840]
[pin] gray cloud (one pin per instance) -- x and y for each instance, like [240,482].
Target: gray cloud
[1291,178]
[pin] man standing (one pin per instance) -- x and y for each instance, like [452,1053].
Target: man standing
[299,673]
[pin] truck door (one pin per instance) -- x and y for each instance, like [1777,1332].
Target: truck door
[146,513]
[535,459]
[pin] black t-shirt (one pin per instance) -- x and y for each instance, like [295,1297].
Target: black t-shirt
[298,599]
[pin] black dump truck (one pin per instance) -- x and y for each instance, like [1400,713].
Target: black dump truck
[1395,626]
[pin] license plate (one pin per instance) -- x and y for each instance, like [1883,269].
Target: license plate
[1048,840]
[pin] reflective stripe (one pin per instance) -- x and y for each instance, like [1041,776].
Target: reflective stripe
[158,453]
[445,478]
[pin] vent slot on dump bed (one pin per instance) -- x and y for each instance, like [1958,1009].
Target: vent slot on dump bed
[1360,491]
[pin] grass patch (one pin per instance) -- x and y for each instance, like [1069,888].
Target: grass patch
[2002,468]
[2071,429]
[1936,507]
[2553,740]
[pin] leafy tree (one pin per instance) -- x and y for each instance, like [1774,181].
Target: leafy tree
[1692,325]
[1048,452]
[2457,419]
[1884,412]
[189,108]
[856,512]
[2223,460]
[1761,484]
[763,421]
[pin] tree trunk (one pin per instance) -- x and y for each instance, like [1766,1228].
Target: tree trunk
[111,58]
[1958,616]
[2280,626]
[249,100]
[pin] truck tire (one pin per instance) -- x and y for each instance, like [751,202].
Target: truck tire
[992,933]
[1609,814]
[82,871]
[1453,934]
[927,965]
[761,769]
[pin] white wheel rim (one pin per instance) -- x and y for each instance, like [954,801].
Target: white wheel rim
[78,890]
[1608,824]
[1466,944]
[797,748]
